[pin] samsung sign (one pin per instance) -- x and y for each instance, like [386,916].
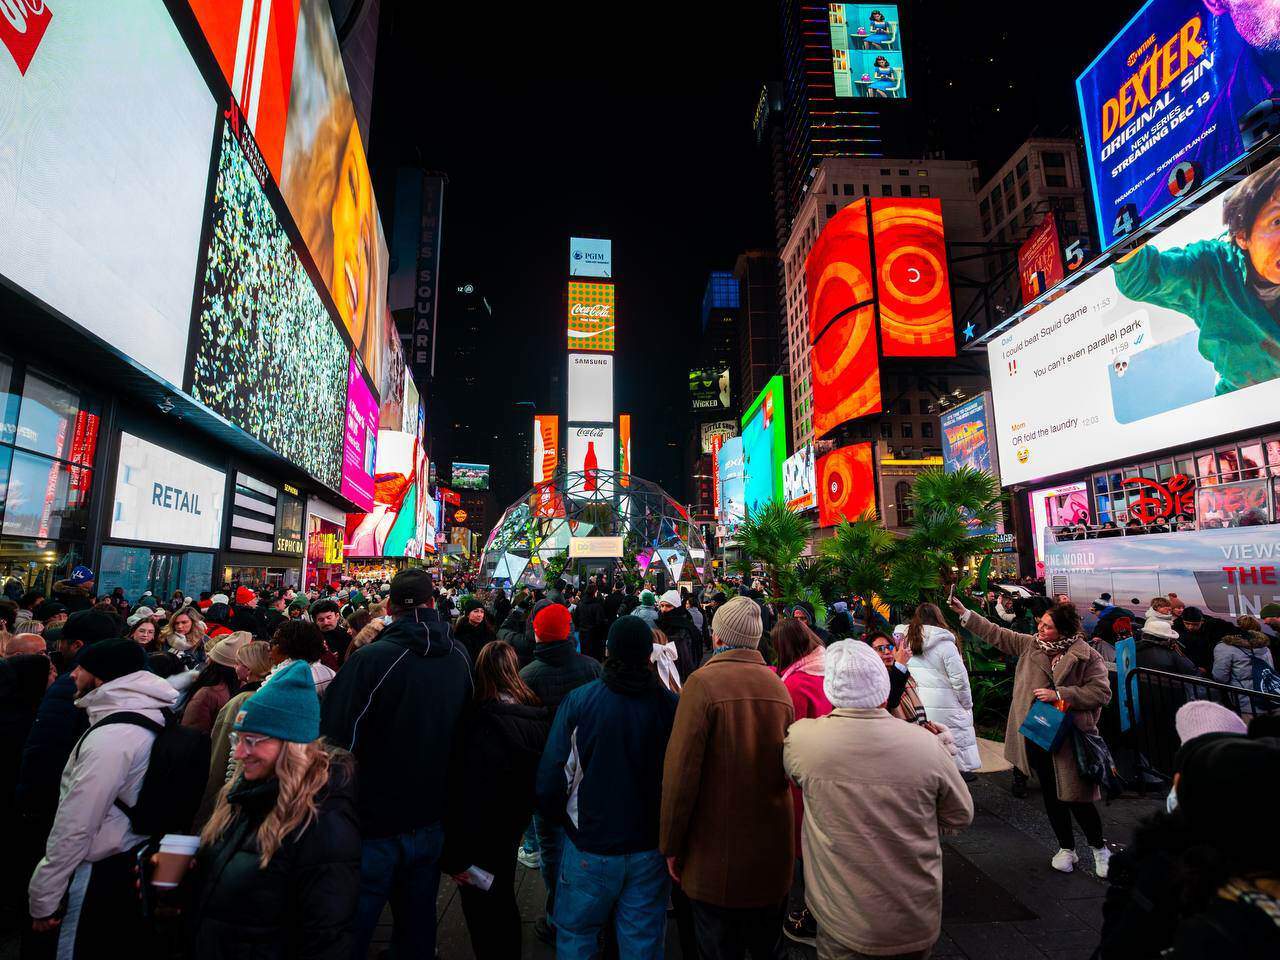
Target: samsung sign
[162,497]
[589,257]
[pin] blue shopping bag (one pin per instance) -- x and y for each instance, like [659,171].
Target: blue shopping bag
[1045,726]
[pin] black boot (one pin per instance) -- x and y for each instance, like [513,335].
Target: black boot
[1019,786]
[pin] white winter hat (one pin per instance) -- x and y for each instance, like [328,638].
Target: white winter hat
[854,675]
[672,597]
[220,598]
[1158,627]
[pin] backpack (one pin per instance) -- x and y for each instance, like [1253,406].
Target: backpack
[1265,678]
[177,773]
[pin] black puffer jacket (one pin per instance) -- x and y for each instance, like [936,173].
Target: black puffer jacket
[1155,655]
[22,685]
[302,905]
[680,630]
[592,626]
[495,764]
[556,669]
[57,727]
[513,632]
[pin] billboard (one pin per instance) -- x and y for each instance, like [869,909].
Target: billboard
[102,185]
[624,446]
[866,50]
[764,445]
[164,497]
[729,468]
[470,476]
[590,257]
[846,484]
[590,449]
[709,389]
[724,429]
[592,319]
[966,436]
[798,480]
[837,269]
[1057,506]
[1040,260]
[1174,343]
[590,388]
[913,285]
[845,371]
[1163,104]
[397,524]
[268,357]
[546,446]
[359,440]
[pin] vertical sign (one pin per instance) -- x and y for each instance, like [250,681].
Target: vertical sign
[1040,261]
[624,448]
[546,446]
[422,354]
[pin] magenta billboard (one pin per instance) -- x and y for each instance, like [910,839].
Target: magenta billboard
[359,439]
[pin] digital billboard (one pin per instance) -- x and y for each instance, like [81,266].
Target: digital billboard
[268,357]
[546,446]
[846,484]
[102,185]
[359,440]
[866,50]
[837,269]
[1057,506]
[624,447]
[1174,343]
[799,479]
[590,257]
[709,389]
[764,445]
[729,467]
[470,476]
[914,287]
[724,429]
[164,497]
[845,371]
[966,436]
[590,388]
[592,320]
[391,391]
[588,450]
[397,525]
[1040,260]
[1163,105]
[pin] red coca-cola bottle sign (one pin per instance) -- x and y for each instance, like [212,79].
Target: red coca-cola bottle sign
[22,27]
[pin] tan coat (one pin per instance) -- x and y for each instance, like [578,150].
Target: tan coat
[726,802]
[1080,678]
[877,795]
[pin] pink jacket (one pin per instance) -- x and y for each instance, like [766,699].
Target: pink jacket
[803,680]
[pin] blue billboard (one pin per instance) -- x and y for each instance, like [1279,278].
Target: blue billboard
[729,468]
[967,441]
[1178,95]
[590,257]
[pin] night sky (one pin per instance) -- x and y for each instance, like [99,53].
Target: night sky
[551,120]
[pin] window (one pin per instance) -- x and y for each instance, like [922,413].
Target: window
[886,430]
[866,189]
[886,189]
[906,431]
[1007,182]
[831,210]
[904,173]
[884,171]
[906,189]
[984,207]
[1024,189]
[1021,168]
[904,406]
[1011,203]
[902,502]
[1053,158]
[926,430]
[835,189]
[1054,180]
[848,189]
[997,201]
[925,190]
[922,173]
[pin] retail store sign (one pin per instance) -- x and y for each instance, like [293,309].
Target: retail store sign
[588,547]
[163,497]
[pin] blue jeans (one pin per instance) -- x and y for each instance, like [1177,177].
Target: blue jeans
[550,842]
[634,885]
[404,869]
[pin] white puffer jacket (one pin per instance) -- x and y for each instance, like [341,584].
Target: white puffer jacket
[943,684]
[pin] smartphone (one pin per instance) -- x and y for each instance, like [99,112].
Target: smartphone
[951,595]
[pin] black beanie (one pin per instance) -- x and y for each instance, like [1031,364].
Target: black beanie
[90,626]
[1214,778]
[630,640]
[111,659]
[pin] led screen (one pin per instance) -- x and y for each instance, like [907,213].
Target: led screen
[799,479]
[764,446]
[164,497]
[913,286]
[1040,261]
[268,357]
[729,461]
[592,316]
[590,388]
[1174,343]
[709,389]
[470,476]
[397,524]
[391,392]
[624,446]
[845,371]
[589,257]
[967,442]
[590,449]
[846,485]
[102,183]
[546,446]
[359,440]
[1164,104]
[838,269]
[1055,507]
[724,429]
[866,50]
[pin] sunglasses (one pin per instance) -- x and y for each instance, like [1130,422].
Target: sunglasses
[250,741]
[881,647]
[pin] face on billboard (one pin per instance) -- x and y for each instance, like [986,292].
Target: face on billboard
[798,479]
[729,466]
[269,358]
[590,388]
[1174,343]
[1040,262]
[592,319]
[359,440]
[164,497]
[546,446]
[397,524]
[103,187]
[589,257]
[709,389]
[470,476]
[866,50]
[845,371]
[1163,105]
[914,286]
[846,484]
[391,391]
[838,268]
[764,446]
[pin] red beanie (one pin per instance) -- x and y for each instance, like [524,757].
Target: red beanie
[244,596]
[551,624]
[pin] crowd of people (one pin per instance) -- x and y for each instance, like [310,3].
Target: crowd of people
[264,772]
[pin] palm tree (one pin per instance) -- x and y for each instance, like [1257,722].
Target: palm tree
[945,506]
[775,537]
[861,555]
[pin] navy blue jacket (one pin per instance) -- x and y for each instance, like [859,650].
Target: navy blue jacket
[58,725]
[601,772]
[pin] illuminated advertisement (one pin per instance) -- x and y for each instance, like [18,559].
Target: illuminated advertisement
[592,319]
[546,446]
[1171,101]
[709,389]
[724,429]
[729,466]
[470,476]
[590,388]
[966,442]
[1040,263]
[359,440]
[391,391]
[1174,343]
[866,50]
[397,524]
[845,371]
[102,187]
[838,269]
[1056,507]
[590,257]
[624,447]
[846,485]
[269,358]
[799,480]
[589,450]
[764,445]
[914,288]
[164,497]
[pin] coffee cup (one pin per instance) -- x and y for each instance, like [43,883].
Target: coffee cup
[173,859]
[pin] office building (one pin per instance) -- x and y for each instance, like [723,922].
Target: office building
[759,322]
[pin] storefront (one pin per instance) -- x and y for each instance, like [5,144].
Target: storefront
[264,546]
[326,531]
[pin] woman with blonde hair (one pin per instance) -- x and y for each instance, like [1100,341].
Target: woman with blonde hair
[278,872]
[184,634]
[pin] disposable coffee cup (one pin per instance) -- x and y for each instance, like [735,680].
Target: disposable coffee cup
[176,851]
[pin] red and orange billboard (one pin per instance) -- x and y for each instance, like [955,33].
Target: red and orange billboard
[913,286]
[838,269]
[1040,261]
[846,484]
[624,449]
[845,371]
[546,446]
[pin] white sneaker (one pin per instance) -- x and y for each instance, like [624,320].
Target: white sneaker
[1101,861]
[1064,860]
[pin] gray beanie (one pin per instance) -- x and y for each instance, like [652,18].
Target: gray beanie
[737,623]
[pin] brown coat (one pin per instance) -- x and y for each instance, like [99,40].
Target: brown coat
[1080,678]
[726,805]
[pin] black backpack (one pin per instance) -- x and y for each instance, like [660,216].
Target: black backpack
[177,773]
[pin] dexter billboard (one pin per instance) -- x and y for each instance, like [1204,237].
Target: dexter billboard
[590,257]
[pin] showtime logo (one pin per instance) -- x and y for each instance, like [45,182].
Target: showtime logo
[22,27]
[595,311]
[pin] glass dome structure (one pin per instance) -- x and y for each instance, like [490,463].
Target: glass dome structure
[599,521]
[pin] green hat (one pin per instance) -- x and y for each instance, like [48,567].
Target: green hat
[647,598]
[285,706]
[299,603]
[1269,610]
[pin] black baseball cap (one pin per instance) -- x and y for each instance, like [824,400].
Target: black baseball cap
[411,588]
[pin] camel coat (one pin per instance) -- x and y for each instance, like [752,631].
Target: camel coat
[1080,678]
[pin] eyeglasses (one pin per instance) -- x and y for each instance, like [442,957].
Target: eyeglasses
[881,648]
[250,741]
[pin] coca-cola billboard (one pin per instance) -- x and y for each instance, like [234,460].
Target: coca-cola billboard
[592,320]
[22,27]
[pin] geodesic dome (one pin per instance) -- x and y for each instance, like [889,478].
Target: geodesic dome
[658,540]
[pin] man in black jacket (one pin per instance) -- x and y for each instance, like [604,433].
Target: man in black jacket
[589,618]
[677,623]
[1200,634]
[395,704]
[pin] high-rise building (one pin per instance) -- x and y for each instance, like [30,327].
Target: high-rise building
[758,320]
[457,396]
[721,313]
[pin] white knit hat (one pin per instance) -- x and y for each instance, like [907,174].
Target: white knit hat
[672,597]
[1157,627]
[854,675]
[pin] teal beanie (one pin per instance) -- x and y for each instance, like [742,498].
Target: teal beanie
[285,707]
